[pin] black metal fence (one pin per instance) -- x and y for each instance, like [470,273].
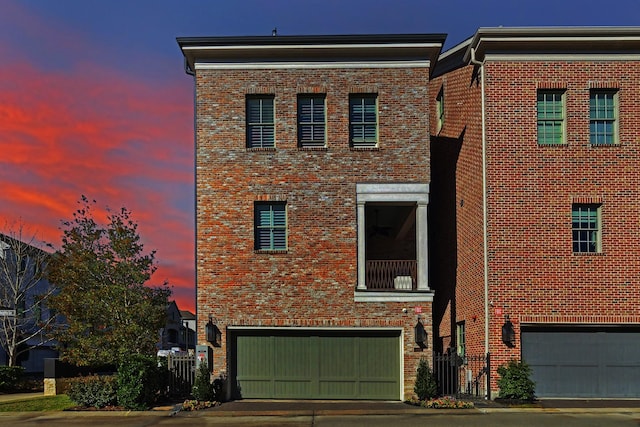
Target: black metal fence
[183,374]
[464,377]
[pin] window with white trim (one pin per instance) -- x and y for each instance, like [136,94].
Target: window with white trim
[603,117]
[363,120]
[550,116]
[260,121]
[460,339]
[440,108]
[311,121]
[586,228]
[270,224]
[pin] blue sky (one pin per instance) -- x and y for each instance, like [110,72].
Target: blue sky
[94,99]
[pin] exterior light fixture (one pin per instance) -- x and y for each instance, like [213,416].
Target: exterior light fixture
[214,335]
[420,334]
[508,333]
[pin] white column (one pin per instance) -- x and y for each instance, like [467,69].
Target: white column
[362,268]
[422,247]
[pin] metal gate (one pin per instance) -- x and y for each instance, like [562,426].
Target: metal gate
[464,377]
[183,374]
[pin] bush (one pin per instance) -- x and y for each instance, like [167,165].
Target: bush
[97,391]
[142,382]
[426,386]
[515,381]
[203,390]
[10,376]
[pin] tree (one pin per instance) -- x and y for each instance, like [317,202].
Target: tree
[101,271]
[25,289]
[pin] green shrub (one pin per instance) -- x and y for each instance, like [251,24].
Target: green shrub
[142,382]
[97,391]
[425,386]
[515,381]
[203,390]
[10,376]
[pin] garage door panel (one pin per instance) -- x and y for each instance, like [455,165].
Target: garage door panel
[337,358]
[318,364]
[584,362]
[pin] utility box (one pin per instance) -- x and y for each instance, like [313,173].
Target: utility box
[204,354]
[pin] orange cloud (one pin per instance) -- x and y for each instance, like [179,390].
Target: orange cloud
[117,138]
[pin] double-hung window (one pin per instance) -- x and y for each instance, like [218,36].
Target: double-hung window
[460,339]
[550,116]
[440,108]
[603,117]
[270,224]
[585,220]
[363,120]
[311,121]
[260,122]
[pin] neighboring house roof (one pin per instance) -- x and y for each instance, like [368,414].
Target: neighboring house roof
[535,40]
[187,315]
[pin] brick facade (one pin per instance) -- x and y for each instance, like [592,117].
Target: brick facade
[534,277]
[312,283]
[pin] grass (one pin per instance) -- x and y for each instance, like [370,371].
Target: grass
[45,403]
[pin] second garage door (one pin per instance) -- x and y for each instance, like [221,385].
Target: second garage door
[316,364]
[584,362]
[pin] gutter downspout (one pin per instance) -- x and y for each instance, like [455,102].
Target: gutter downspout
[484,204]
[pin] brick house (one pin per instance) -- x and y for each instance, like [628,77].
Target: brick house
[312,191]
[535,199]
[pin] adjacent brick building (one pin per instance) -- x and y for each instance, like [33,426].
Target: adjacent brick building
[536,204]
[312,192]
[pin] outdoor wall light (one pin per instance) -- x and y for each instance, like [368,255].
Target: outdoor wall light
[508,333]
[214,335]
[420,334]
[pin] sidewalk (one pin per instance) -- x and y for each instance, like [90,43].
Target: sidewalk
[19,396]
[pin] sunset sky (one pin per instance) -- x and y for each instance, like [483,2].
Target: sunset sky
[94,100]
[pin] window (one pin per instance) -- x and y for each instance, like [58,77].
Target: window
[363,120]
[602,117]
[270,226]
[260,122]
[460,339]
[440,108]
[550,117]
[311,121]
[585,219]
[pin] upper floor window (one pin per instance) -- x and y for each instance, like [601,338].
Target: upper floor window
[260,122]
[603,117]
[585,220]
[270,224]
[311,121]
[363,120]
[440,108]
[550,116]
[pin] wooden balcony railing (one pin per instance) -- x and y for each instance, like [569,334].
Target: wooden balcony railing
[392,275]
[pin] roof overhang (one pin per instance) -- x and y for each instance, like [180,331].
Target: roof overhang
[352,49]
[553,40]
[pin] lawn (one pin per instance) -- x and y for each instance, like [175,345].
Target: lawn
[44,403]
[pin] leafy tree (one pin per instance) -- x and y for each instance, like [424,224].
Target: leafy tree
[101,271]
[25,289]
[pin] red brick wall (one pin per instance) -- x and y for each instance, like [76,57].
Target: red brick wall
[534,277]
[313,283]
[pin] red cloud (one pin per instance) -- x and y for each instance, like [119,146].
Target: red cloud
[119,139]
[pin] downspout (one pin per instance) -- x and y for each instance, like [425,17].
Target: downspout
[485,243]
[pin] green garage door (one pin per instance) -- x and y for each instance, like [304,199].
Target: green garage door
[584,362]
[316,364]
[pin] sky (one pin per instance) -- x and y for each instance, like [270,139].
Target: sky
[94,99]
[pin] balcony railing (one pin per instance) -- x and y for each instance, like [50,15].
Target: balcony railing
[389,275]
